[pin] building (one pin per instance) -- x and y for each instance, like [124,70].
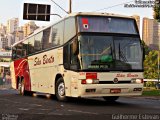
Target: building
[11,39]
[151,32]
[12,25]
[137,18]
[29,28]
[4,68]
[19,35]
[3,29]
[3,42]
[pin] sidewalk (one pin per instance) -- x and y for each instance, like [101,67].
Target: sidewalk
[4,87]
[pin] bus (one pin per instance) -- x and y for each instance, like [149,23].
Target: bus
[82,55]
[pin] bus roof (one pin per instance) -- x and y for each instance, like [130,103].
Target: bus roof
[98,14]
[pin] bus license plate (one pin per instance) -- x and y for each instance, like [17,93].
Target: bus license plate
[115,90]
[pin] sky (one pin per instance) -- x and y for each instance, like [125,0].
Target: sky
[14,8]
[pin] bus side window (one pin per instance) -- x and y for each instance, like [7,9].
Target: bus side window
[19,49]
[47,43]
[70,56]
[13,53]
[31,46]
[69,29]
[38,42]
[25,48]
[18,53]
[74,51]
[57,34]
[66,56]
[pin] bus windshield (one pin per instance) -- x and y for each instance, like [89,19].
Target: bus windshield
[110,53]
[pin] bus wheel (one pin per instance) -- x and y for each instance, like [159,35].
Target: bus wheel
[111,98]
[21,87]
[60,90]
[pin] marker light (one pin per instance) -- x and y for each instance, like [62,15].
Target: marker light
[137,81]
[90,81]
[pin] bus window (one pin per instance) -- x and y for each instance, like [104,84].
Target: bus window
[66,56]
[57,32]
[38,42]
[47,43]
[70,56]
[70,29]
[25,48]
[74,61]
[31,45]
[19,49]
[13,53]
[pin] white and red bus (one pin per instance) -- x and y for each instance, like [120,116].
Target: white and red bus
[83,55]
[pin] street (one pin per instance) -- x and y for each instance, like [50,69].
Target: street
[16,107]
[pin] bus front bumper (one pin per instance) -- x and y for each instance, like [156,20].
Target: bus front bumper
[99,90]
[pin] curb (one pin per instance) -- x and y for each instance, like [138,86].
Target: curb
[146,97]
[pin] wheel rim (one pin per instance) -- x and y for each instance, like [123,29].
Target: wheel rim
[19,86]
[61,90]
[22,88]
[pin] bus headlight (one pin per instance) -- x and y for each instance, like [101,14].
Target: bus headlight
[90,81]
[137,80]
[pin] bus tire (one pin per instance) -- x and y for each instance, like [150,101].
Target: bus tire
[60,90]
[111,98]
[21,88]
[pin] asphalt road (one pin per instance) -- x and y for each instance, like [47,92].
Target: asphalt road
[16,107]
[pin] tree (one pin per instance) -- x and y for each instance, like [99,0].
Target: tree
[151,65]
[146,48]
[156,10]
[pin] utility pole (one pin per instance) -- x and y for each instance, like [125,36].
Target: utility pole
[70,6]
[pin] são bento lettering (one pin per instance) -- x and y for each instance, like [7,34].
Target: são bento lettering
[44,60]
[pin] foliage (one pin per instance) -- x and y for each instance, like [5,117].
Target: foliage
[151,65]
[150,84]
[156,10]
[151,58]
[146,48]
